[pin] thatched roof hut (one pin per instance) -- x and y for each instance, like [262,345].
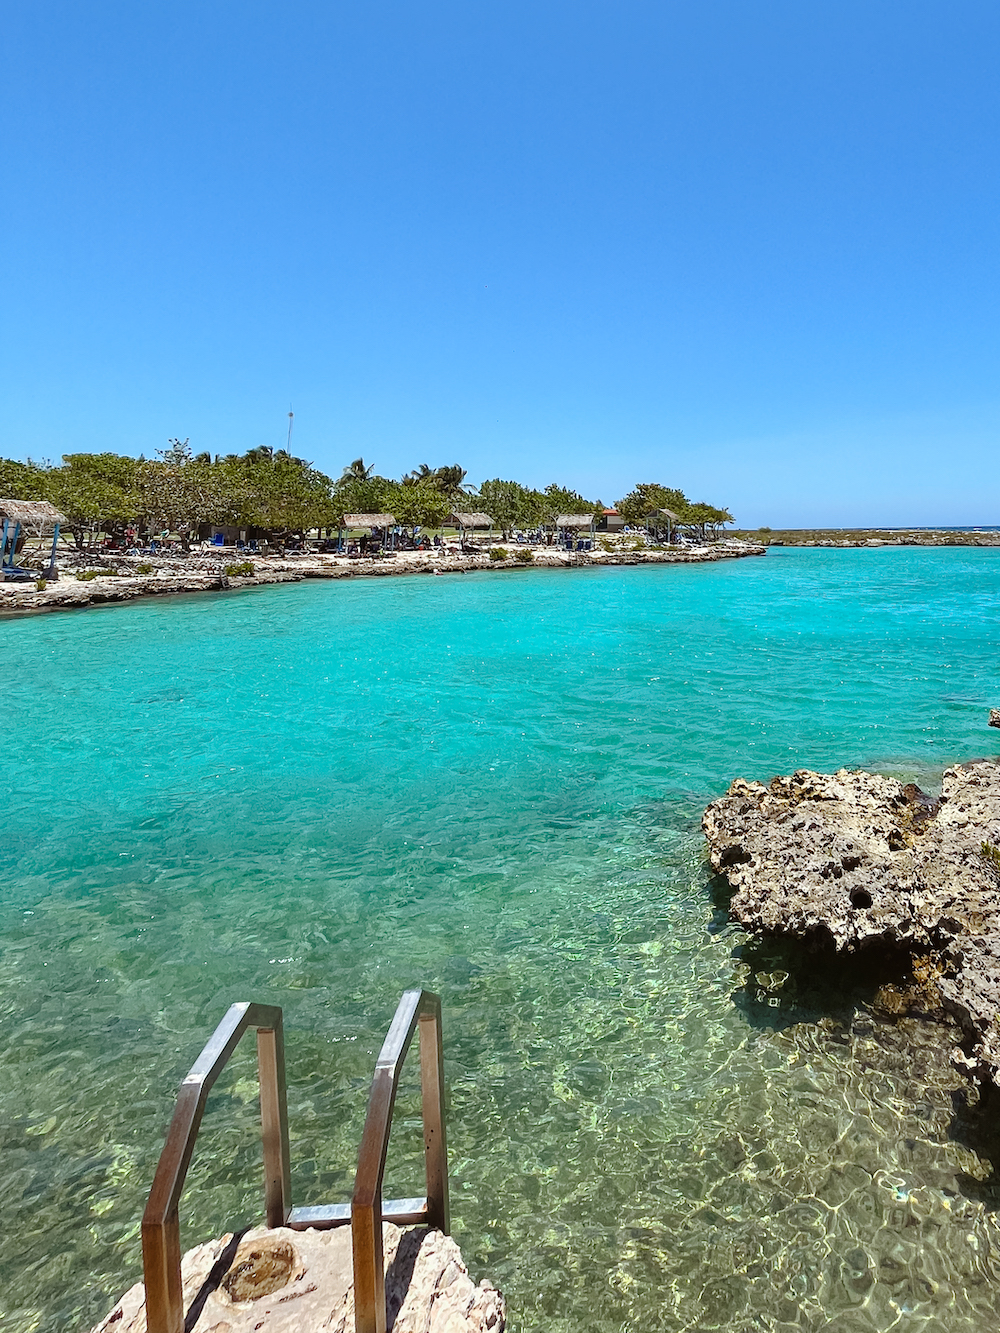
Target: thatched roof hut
[369,521]
[663,513]
[473,520]
[17,519]
[575,521]
[33,515]
[662,518]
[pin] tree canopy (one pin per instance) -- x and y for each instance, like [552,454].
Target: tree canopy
[649,497]
[272,490]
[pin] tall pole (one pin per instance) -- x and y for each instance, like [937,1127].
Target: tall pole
[291,418]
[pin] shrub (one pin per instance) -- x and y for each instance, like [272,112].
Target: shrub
[242,570]
[41,585]
[144,568]
[85,575]
[525,557]
[498,553]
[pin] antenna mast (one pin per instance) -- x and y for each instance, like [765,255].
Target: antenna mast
[291,419]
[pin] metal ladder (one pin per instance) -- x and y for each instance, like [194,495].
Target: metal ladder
[161,1248]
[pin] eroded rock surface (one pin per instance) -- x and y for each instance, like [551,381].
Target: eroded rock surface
[862,861]
[285,1281]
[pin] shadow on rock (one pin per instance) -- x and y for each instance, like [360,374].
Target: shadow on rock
[785,984]
[976,1126]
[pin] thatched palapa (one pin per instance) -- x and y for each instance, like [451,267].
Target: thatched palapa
[369,520]
[470,520]
[663,513]
[575,521]
[33,515]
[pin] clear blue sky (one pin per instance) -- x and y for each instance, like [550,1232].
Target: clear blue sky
[748,249]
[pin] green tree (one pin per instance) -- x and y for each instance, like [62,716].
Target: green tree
[449,480]
[647,498]
[23,481]
[415,504]
[178,452]
[178,497]
[96,492]
[704,519]
[558,500]
[286,496]
[510,505]
[357,471]
[361,495]
[265,454]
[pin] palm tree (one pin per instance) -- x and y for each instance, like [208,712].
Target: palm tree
[449,480]
[262,454]
[357,471]
[419,474]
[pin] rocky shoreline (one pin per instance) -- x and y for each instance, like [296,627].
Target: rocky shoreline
[863,865]
[870,538]
[122,578]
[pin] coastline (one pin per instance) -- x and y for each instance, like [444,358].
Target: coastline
[201,572]
[861,537]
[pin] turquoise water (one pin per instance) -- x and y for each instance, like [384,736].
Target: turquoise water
[489,785]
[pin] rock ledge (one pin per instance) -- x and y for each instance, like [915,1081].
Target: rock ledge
[285,1281]
[863,862]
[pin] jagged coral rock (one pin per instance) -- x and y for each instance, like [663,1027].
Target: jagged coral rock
[862,861]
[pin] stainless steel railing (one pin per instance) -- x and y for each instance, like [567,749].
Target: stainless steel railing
[161,1249]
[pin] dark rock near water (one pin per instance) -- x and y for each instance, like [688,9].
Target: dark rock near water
[994,717]
[867,864]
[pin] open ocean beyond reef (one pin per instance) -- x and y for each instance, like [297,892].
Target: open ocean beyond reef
[490,785]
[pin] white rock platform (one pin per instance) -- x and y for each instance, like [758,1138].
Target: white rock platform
[283,1281]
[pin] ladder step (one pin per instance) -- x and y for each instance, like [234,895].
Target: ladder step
[404,1212]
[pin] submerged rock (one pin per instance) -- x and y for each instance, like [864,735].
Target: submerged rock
[285,1281]
[863,862]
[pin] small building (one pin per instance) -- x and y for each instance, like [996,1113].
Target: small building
[19,518]
[611,521]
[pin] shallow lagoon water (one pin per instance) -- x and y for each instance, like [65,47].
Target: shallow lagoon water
[489,785]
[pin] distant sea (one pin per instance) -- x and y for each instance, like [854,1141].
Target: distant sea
[489,785]
[983,527]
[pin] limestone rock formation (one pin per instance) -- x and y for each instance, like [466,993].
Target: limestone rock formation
[285,1281]
[994,717]
[864,862]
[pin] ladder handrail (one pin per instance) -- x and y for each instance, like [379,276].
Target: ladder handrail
[161,1241]
[417,1008]
[161,1249]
